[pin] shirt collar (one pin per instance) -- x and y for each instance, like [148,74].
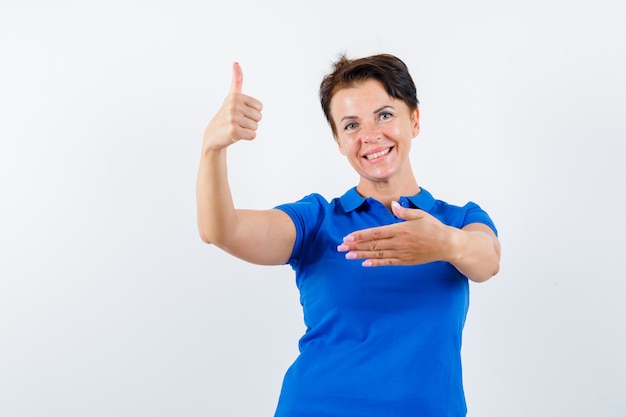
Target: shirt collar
[352,200]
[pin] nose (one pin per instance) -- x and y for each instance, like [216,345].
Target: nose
[371,132]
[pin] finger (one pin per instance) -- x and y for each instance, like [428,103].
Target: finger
[405,213]
[237,81]
[381,262]
[369,254]
[363,246]
[250,112]
[246,134]
[247,123]
[368,235]
[253,103]
[377,258]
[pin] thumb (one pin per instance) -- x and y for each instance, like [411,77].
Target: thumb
[405,213]
[235,86]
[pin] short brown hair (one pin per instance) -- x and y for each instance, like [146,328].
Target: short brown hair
[389,70]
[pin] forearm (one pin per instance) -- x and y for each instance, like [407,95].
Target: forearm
[475,252]
[215,209]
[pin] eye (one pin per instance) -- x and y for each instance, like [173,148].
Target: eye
[350,126]
[385,115]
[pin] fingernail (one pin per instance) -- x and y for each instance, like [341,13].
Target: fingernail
[350,255]
[348,238]
[395,204]
[342,248]
[367,263]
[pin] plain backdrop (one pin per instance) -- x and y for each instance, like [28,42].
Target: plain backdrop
[110,305]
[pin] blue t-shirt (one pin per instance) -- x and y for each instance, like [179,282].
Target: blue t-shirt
[382,341]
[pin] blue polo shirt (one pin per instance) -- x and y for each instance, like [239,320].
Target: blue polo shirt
[382,341]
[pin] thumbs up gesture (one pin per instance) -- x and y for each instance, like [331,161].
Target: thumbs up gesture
[237,119]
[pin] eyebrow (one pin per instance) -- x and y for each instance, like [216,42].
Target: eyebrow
[378,110]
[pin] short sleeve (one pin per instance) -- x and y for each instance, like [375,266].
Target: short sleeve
[475,214]
[307,215]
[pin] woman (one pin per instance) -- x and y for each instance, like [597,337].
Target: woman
[383,333]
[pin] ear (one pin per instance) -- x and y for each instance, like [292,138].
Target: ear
[415,122]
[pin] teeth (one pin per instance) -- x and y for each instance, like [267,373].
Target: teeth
[378,154]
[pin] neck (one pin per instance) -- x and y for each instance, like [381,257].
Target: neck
[388,191]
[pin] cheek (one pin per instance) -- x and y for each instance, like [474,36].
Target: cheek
[394,131]
[402,131]
[347,145]
[341,144]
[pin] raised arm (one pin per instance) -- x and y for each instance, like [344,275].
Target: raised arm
[258,236]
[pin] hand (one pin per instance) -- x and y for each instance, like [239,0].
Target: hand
[237,119]
[420,239]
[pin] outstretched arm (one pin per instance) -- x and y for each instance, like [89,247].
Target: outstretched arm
[474,250]
[258,236]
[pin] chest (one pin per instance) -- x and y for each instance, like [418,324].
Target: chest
[329,282]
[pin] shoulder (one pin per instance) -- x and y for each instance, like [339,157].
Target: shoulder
[309,210]
[461,215]
[310,202]
[307,215]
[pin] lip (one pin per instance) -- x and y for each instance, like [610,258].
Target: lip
[377,150]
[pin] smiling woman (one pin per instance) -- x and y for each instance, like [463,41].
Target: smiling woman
[381,339]
[375,136]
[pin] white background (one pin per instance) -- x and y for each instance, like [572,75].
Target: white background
[110,305]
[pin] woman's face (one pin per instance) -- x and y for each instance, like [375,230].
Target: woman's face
[374,130]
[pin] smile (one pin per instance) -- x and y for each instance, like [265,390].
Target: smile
[375,155]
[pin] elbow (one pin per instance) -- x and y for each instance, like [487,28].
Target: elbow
[218,232]
[490,268]
[478,278]
[495,270]
[212,236]
[486,275]
[205,231]
[205,237]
